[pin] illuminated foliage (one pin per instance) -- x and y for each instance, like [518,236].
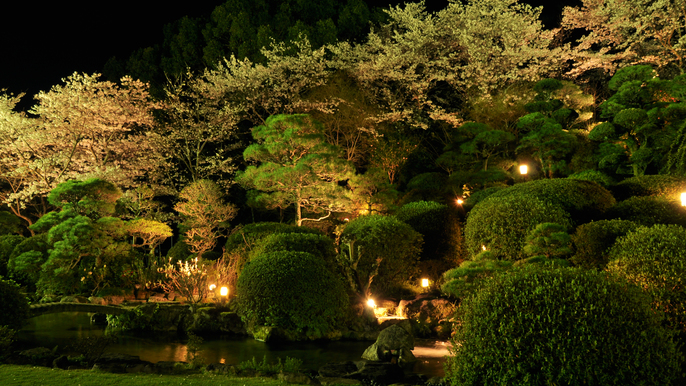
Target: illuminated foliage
[296,167]
[204,214]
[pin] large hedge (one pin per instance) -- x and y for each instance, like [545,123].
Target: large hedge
[14,308]
[560,327]
[317,245]
[7,244]
[501,224]
[247,236]
[649,210]
[583,200]
[592,241]
[380,250]
[293,291]
[655,259]
[659,185]
[437,224]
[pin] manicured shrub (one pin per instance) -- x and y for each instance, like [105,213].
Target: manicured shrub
[379,254]
[247,236]
[560,327]
[548,240]
[596,176]
[592,241]
[501,224]
[658,185]
[7,244]
[14,308]
[317,245]
[436,223]
[27,258]
[9,223]
[583,200]
[655,259]
[480,195]
[291,290]
[648,211]
[470,275]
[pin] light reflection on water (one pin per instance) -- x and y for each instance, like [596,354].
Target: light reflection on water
[64,328]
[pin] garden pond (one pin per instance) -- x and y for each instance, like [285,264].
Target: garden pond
[65,328]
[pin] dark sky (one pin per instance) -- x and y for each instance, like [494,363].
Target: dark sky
[43,42]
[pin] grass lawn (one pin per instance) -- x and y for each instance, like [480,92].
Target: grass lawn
[11,375]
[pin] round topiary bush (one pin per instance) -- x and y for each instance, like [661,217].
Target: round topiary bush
[501,224]
[648,211]
[596,176]
[560,327]
[655,259]
[315,244]
[291,290]
[583,200]
[14,308]
[247,236]
[658,185]
[592,241]
[436,223]
[379,254]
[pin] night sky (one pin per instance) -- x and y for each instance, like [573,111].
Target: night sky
[43,42]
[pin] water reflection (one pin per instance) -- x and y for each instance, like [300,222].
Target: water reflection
[62,329]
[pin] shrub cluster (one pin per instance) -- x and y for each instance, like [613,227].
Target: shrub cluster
[655,259]
[583,200]
[379,253]
[650,185]
[436,223]
[648,211]
[592,241]
[14,308]
[291,290]
[502,223]
[560,327]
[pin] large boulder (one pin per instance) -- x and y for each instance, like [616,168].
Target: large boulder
[433,315]
[394,344]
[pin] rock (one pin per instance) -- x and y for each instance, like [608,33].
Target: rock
[73,299]
[337,370]
[122,363]
[97,300]
[157,298]
[432,314]
[394,344]
[378,372]
[61,362]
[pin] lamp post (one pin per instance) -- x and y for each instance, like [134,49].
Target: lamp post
[523,169]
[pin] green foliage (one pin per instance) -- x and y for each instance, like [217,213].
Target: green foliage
[651,185]
[471,275]
[549,240]
[501,223]
[296,167]
[92,198]
[379,253]
[6,340]
[27,258]
[583,200]
[648,211]
[596,176]
[315,244]
[14,308]
[655,259]
[436,223]
[141,318]
[290,365]
[546,141]
[291,290]
[560,327]
[9,223]
[480,195]
[592,241]
[7,244]
[247,236]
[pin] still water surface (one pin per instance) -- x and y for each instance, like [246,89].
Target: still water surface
[64,328]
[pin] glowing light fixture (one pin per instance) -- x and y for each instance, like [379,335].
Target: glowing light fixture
[371,303]
[683,199]
[224,291]
[212,287]
[425,283]
[459,201]
[483,247]
[523,169]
